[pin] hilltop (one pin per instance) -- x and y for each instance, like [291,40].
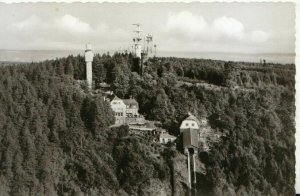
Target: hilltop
[56,140]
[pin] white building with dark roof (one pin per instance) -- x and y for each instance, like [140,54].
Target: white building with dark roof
[126,111]
[119,109]
[132,107]
[195,132]
[165,138]
[191,122]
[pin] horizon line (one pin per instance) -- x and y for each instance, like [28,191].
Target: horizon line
[163,51]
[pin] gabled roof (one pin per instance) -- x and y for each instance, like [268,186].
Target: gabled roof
[193,118]
[116,98]
[130,102]
[167,136]
[104,85]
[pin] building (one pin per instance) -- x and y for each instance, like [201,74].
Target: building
[126,111]
[190,138]
[105,90]
[165,138]
[138,119]
[132,107]
[191,122]
[190,131]
[142,131]
[119,109]
[103,86]
[195,132]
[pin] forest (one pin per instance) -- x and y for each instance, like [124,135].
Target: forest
[55,139]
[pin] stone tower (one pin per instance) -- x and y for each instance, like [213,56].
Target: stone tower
[89,59]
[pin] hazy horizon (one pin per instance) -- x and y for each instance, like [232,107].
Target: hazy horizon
[41,55]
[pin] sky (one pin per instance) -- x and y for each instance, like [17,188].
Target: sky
[176,27]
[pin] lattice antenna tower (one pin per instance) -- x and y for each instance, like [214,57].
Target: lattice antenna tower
[137,40]
[149,39]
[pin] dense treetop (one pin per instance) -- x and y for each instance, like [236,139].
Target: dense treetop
[55,138]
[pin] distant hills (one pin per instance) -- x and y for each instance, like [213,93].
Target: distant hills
[41,55]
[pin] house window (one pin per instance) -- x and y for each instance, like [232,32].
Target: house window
[192,124]
[187,124]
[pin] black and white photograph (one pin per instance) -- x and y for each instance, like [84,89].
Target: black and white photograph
[153,98]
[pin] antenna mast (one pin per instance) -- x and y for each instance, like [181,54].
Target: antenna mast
[149,38]
[137,40]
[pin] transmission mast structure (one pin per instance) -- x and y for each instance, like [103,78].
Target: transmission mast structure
[155,50]
[137,41]
[149,39]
